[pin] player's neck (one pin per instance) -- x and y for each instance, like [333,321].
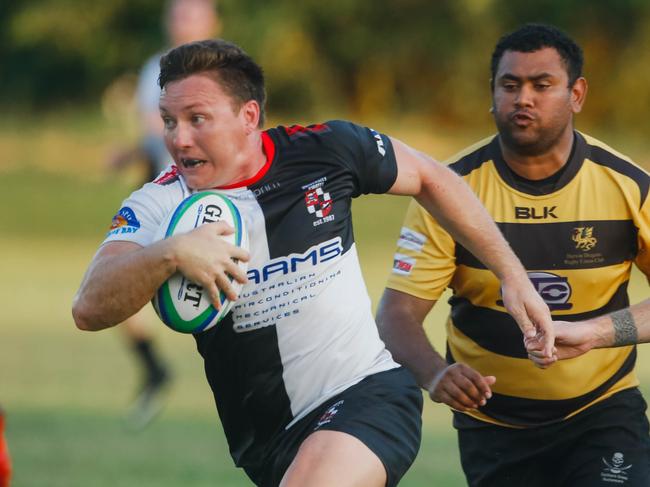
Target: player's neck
[540,166]
[253,158]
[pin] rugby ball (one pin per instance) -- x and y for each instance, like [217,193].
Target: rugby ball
[180,303]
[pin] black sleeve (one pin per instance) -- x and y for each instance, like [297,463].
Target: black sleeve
[367,154]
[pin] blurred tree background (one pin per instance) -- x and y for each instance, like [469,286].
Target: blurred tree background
[363,59]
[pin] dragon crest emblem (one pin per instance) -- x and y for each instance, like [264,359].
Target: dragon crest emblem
[584,238]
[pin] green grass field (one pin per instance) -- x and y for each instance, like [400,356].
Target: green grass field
[65,392]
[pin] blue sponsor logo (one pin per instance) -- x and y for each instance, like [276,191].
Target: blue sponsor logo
[289,264]
[124,222]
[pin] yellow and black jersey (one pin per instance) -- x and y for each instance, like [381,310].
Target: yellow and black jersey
[577,242]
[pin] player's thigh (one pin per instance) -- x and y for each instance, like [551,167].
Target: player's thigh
[613,447]
[328,458]
[495,456]
[382,413]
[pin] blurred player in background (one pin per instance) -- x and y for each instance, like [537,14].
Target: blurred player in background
[306,391]
[5,461]
[184,21]
[577,215]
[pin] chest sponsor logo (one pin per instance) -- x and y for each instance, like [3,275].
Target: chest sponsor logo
[555,290]
[403,264]
[319,202]
[282,266]
[123,222]
[532,213]
[615,470]
[584,238]
[410,239]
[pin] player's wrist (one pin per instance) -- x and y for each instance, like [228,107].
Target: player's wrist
[601,332]
[171,253]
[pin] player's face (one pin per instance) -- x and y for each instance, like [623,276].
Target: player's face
[205,131]
[533,104]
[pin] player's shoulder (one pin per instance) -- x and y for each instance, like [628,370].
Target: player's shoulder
[169,184]
[602,154]
[473,156]
[321,132]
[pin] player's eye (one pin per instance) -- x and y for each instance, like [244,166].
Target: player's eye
[169,123]
[198,118]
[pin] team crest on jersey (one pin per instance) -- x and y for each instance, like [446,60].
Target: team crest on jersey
[167,177]
[318,201]
[584,238]
[124,222]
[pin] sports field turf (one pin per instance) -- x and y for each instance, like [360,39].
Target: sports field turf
[66,392]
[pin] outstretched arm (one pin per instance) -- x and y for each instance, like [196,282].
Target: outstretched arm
[452,203]
[123,276]
[628,326]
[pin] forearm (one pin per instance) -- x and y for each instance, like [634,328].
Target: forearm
[404,336]
[456,207]
[627,326]
[118,284]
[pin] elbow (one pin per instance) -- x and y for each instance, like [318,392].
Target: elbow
[82,316]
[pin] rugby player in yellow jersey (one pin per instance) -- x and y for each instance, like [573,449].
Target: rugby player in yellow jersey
[576,213]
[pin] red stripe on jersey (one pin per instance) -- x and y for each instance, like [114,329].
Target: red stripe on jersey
[268,146]
[299,130]
[169,176]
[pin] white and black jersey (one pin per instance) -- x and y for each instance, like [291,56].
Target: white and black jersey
[302,330]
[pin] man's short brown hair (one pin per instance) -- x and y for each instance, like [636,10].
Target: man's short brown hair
[231,67]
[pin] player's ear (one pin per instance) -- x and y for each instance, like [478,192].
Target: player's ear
[578,94]
[250,111]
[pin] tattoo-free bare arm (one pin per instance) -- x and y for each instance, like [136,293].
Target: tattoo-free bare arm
[453,204]
[399,319]
[124,276]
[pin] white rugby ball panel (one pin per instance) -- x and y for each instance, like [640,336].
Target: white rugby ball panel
[181,304]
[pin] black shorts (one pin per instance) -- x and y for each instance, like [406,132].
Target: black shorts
[384,411]
[608,444]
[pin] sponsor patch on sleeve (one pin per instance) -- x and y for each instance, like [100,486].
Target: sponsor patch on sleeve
[403,264]
[410,239]
[124,221]
[378,140]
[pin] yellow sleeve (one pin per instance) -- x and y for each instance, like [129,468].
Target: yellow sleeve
[642,222]
[425,261]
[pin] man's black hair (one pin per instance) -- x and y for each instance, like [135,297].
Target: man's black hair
[533,37]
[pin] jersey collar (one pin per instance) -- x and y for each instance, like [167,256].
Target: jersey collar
[268,146]
[579,152]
